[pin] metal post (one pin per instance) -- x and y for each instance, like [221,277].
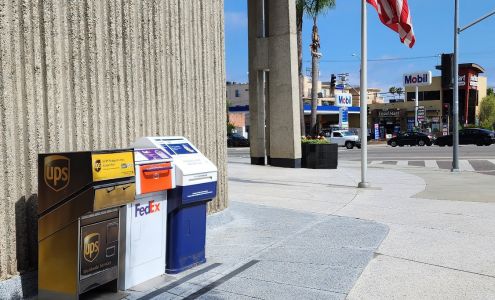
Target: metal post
[364,98]
[416,104]
[455,134]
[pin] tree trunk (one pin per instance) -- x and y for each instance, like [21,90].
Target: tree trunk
[299,18]
[314,77]
[314,94]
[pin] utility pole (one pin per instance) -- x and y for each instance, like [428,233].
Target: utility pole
[457,31]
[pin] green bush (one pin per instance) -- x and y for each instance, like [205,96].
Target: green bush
[487,112]
[230,128]
[317,141]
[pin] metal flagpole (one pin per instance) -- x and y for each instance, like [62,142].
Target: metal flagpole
[455,134]
[364,98]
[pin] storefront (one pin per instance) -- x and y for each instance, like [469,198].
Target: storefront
[389,121]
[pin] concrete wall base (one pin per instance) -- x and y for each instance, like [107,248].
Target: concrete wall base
[286,162]
[259,161]
[20,286]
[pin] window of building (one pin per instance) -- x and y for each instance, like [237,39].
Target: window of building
[424,96]
[431,95]
[237,94]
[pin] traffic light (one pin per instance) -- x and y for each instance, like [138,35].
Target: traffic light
[447,71]
[333,82]
[445,113]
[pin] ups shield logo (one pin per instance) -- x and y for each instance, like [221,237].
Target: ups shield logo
[97,165]
[91,246]
[57,172]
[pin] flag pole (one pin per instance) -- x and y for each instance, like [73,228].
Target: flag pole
[455,135]
[364,98]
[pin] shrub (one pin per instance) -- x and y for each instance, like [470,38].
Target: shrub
[318,140]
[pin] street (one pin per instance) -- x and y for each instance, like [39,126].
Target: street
[472,158]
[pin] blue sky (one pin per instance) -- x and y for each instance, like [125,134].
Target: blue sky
[340,38]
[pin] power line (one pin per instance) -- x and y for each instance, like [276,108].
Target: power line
[381,59]
[402,58]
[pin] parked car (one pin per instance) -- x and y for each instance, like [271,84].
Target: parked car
[237,140]
[469,136]
[345,138]
[411,139]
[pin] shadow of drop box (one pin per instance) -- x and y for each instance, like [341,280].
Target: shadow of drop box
[79,222]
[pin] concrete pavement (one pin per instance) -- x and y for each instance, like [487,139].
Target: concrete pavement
[311,234]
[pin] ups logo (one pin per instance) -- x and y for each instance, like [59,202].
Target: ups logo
[91,246]
[97,165]
[57,172]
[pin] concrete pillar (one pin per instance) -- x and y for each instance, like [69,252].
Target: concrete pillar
[273,49]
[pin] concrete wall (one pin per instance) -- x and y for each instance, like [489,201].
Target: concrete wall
[96,74]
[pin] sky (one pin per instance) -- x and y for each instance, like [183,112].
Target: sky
[340,37]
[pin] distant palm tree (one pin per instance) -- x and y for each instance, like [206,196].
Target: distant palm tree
[393,91]
[399,91]
[315,8]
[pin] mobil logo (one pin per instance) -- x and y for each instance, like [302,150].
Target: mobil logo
[146,209]
[418,79]
[344,100]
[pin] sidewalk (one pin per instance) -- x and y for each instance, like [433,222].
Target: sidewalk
[310,234]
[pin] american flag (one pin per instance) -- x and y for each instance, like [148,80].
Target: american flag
[395,14]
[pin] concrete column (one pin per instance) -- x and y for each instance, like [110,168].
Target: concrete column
[273,48]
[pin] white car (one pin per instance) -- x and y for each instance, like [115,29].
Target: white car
[345,138]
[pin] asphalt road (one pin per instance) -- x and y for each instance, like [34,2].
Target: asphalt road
[386,153]
[471,158]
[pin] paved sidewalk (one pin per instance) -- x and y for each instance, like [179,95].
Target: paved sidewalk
[310,234]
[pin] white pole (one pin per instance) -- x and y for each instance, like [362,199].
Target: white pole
[416,104]
[455,134]
[364,98]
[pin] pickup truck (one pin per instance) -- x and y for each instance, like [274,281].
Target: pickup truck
[345,138]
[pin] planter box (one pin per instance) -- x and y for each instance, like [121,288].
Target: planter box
[319,156]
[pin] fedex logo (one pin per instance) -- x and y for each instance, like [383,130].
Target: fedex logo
[147,209]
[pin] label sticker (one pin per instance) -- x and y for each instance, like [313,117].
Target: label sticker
[112,165]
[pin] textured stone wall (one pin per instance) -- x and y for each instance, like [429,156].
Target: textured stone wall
[96,74]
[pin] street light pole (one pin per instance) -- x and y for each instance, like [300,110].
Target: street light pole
[364,98]
[455,135]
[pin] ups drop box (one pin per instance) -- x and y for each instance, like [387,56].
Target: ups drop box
[79,223]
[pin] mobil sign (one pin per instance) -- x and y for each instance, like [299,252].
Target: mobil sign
[417,79]
[343,100]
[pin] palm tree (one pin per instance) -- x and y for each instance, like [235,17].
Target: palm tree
[393,91]
[315,8]
[399,91]
[300,5]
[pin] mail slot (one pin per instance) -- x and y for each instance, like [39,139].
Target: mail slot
[79,222]
[155,177]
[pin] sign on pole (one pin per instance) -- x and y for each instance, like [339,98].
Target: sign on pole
[344,117]
[343,99]
[418,79]
[421,113]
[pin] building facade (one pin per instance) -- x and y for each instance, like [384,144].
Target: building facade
[83,75]
[237,93]
[435,106]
